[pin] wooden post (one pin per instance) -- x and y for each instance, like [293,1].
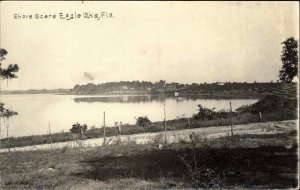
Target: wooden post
[0,133]
[104,140]
[120,129]
[50,139]
[7,135]
[189,124]
[0,103]
[165,123]
[0,128]
[222,122]
[231,120]
[260,117]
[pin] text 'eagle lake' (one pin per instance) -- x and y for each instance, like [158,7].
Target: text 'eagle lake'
[67,16]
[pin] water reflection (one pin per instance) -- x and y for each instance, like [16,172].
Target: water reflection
[121,99]
[145,98]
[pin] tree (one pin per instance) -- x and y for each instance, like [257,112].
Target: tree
[6,113]
[289,60]
[7,74]
[3,53]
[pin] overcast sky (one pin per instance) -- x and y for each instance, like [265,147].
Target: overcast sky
[176,41]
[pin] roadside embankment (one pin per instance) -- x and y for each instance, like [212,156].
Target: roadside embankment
[171,136]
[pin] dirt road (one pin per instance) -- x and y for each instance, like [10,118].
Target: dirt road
[172,136]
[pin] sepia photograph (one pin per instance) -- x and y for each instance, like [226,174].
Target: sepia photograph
[149,95]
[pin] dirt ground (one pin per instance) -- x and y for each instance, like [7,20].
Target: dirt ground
[257,156]
[172,136]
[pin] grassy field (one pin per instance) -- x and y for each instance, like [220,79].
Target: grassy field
[242,161]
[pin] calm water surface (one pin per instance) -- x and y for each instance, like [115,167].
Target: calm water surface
[35,111]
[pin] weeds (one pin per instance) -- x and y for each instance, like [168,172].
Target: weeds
[159,139]
[199,139]
[180,166]
[64,149]
[201,176]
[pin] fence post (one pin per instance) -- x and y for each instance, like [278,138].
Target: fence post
[165,123]
[231,119]
[189,124]
[104,140]
[260,117]
[7,135]
[50,139]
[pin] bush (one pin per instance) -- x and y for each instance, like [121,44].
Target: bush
[143,121]
[222,114]
[204,113]
[77,128]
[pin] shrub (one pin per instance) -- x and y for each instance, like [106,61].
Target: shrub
[77,128]
[143,121]
[222,114]
[204,113]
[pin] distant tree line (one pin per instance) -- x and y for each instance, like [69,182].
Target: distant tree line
[37,91]
[194,88]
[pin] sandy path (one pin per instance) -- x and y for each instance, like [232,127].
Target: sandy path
[172,136]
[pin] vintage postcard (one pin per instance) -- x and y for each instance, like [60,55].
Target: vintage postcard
[149,95]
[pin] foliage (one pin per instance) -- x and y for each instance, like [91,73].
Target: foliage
[77,128]
[204,113]
[3,53]
[289,60]
[143,121]
[222,114]
[9,73]
[244,108]
[189,91]
[6,112]
[271,104]
[203,175]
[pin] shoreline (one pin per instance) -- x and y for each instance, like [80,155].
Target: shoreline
[172,136]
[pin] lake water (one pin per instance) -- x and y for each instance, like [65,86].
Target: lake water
[35,111]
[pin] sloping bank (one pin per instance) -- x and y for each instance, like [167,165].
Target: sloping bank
[171,136]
